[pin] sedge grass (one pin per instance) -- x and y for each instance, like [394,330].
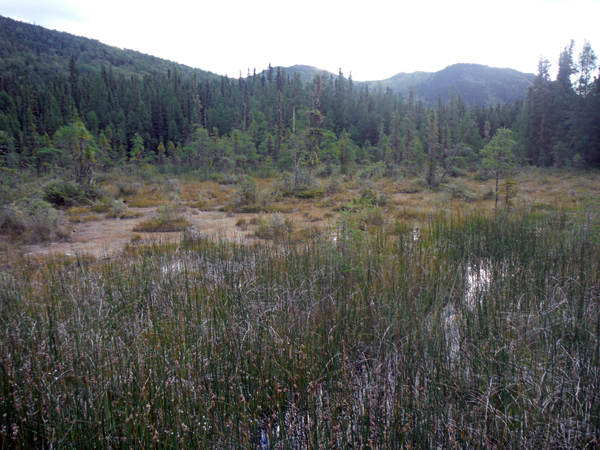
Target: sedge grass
[364,340]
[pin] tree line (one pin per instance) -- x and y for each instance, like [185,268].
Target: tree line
[268,121]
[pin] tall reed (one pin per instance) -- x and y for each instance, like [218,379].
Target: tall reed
[376,339]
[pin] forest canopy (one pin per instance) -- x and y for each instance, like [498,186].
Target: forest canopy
[149,112]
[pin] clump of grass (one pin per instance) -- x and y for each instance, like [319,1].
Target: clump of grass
[412,186]
[145,203]
[309,217]
[241,223]
[31,221]
[460,190]
[168,218]
[85,218]
[371,217]
[274,227]
[307,187]
[368,198]
[119,210]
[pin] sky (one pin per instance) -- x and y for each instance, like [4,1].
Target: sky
[372,40]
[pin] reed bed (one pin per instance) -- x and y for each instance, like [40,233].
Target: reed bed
[475,332]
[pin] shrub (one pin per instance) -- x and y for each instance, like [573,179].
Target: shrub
[67,193]
[461,191]
[168,218]
[333,187]
[118,210]
[128,187]
[413,187]
[488,193]
[247,192]
[367,199]
[241,223]
[307,187]
[275,227]
[482,174]
[32,220]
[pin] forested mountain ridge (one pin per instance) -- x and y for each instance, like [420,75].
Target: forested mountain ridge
[48,52]
[476,83]
[275,120]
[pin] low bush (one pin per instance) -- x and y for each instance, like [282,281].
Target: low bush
[68,193]
[168,218]
[117,209]
[31,221]
[460,190]
[307,186]
[274,227]
[367,199]
[413,186]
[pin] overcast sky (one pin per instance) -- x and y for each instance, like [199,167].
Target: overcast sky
[374,39]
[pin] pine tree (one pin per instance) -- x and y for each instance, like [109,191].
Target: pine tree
[433,144]
[498,157]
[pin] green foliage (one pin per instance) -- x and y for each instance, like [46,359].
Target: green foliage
[498,156]
[302,186]
[461,191]
[508,191]
[117,209]
[105,107]
[31,220]
[168,218]
[274,227]
[77,142]
[68,193]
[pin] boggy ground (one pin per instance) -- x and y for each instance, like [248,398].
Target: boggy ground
[209,206]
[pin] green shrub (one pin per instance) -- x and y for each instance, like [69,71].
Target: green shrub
[461,191]
[307,186]
[168,218]
[68,193]
[117,209]
[274,227]
[32,220]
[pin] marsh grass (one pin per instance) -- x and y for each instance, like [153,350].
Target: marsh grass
[31,220]
[167,218]
[364,340]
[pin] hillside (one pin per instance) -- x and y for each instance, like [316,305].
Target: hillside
[48,52]
[474,82]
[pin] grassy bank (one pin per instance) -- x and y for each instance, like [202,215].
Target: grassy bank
[374,335]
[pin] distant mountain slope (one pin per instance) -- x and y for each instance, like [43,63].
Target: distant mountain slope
[49,52]
[474,82]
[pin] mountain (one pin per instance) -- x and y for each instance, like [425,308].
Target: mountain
[476,83]
[48,52]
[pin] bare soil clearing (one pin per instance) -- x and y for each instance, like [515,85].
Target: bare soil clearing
[108,237]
